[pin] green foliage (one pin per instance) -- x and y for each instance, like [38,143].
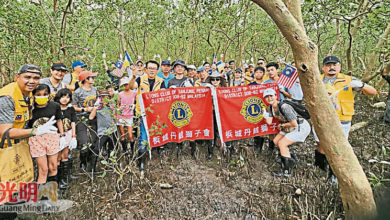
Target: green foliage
[42,32]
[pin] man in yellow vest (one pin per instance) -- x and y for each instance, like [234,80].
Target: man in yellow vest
[145,83]
[16,102]
[340,89]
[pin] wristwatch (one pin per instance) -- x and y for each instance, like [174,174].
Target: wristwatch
[62,135]
[82,109]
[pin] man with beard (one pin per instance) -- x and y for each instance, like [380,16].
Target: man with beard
[340,88]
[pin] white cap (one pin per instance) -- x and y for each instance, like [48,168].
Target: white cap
[268,92]
[124,80]
[191,67]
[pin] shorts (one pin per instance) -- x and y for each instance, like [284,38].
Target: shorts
[68,138]
[47,144]
[345,125]
[125,122]
[299,134]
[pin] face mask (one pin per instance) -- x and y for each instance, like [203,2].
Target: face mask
[41,100]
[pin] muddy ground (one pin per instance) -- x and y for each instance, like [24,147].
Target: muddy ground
[242,188]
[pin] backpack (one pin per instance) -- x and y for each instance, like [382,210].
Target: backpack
[298,107]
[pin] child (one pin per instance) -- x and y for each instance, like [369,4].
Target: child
[69,119]
[125,119]
[45,148]
[103,111]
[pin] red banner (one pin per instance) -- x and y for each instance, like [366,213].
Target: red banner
[176,115]
[241,112]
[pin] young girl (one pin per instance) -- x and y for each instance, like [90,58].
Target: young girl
[68,117]
[45,148]
[126,98]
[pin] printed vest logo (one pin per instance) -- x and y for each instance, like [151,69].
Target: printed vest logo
[252,109]
[180,114]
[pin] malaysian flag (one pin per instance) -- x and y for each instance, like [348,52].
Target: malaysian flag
[288,77]
[119,69]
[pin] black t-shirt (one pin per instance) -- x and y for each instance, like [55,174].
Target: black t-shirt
[176,82]
[41,115]
[151,83]
[68,116]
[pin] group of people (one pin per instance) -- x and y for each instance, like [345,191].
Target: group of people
[65,111]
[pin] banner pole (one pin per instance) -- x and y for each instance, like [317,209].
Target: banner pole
[217,115]
[143,115]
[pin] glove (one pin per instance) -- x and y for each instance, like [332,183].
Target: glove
[47,128]
[97,103]
[62,142]
[73,144]
[187,84]
[356,84]
[265,114]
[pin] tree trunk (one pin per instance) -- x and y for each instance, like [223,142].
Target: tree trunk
[355,189]
[362,7]
[373,56]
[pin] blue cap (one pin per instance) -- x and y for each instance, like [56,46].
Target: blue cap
[166,62]
[78,63]
[201,68]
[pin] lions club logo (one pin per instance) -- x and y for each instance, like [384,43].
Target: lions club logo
[180,114]
[252,109]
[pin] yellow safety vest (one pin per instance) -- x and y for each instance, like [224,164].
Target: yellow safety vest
[144,87]
[345,98]
[22,111]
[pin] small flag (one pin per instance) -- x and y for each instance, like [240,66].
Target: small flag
[215,58]
[127,59]
[118,64]
[220,65]
[288,77]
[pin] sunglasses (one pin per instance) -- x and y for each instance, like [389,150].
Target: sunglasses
[260,63]
[215,79]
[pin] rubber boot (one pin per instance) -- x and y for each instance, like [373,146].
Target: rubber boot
[271,146]
[70,168]
[93,161]
[259,142]
[210,149]
[288,164]
[83,160]
[193,149]
[62,176]
[66,166]
[124,146]
[331,177]
[141,161]
[320,161]
[132,144]
[293,156]
[232,153]
[179,147]
[279,157]
[52,178]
